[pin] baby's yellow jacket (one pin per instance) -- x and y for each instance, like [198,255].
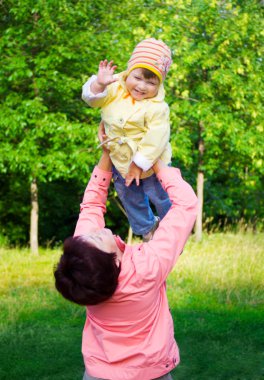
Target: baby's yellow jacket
[137,131]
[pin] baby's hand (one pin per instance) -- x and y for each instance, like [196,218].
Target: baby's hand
[106,72]
[134,172]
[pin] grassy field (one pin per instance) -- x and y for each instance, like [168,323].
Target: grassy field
[216,298]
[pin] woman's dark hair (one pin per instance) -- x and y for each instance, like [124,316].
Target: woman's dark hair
[85,274]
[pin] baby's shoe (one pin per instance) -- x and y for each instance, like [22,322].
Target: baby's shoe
[147,237]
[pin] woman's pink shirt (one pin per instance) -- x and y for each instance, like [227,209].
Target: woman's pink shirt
[131,336]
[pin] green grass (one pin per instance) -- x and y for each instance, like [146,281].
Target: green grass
[216,299]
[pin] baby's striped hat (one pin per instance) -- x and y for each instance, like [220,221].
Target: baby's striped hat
[151,54]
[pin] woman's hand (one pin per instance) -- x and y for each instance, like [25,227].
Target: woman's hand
[102,137]
[105,162]
[101,132]
[158,166]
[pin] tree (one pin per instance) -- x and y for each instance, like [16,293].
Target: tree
[41,135]
[222,70]
[214,89]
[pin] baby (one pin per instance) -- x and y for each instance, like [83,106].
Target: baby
[136,129]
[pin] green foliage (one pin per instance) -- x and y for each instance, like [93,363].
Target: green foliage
[42,112]
[215,296]
[14,210]
[48,50]
[217,80]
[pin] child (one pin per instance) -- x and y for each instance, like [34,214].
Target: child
[136,123]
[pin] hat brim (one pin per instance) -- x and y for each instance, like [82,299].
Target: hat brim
[145,66]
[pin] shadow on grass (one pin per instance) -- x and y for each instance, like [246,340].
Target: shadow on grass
[43,341]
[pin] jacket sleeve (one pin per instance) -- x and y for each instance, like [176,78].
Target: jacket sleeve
[157,137]
[93,206]
[174,229]
[96,100]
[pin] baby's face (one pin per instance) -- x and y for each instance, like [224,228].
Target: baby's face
[141,88]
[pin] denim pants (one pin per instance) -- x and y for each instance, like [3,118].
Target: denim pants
[136,201]
[164,377]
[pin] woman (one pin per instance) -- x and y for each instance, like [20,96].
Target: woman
[129,333]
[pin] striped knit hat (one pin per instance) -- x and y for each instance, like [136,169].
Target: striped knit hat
[153,55]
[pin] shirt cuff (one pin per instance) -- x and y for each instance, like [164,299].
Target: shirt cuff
[87,94]
[142,162]
[101,177]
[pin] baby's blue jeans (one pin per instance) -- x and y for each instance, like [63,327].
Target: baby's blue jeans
[136,201]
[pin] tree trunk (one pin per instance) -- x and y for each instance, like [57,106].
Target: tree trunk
[200,187]
[33,186]
[34,217]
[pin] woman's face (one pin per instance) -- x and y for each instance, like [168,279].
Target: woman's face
[103,240]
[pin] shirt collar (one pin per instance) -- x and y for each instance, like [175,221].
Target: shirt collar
[120,243]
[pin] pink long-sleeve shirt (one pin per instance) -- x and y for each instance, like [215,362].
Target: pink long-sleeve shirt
[131,335]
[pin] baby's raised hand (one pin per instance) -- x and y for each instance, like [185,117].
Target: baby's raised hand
[106,72]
